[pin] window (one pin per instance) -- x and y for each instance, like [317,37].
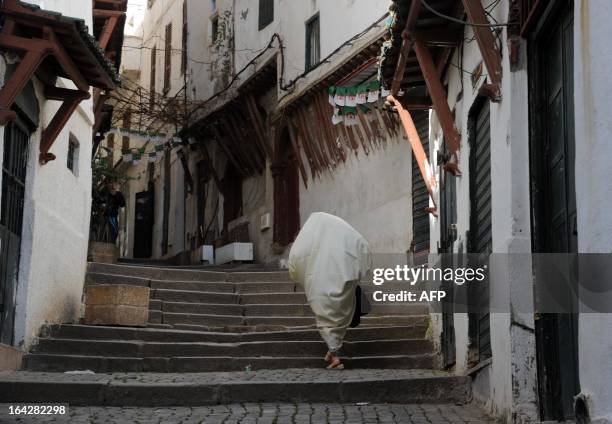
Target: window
[73,154]
[152,80]
[110,141]
[266,13]
[313,46]
[184,40]
[127,125]
[214,28]
[168,58]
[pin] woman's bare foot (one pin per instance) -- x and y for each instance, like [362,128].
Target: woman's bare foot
[328,357]
[335,363]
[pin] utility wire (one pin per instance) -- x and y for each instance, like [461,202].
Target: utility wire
[459,21]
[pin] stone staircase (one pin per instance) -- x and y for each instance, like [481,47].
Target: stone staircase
[251,330]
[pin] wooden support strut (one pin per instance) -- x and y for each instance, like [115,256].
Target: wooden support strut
[109,29]
[488,48]
[417,149]
[413,15]
[71,99]
[36,52]
[438,97]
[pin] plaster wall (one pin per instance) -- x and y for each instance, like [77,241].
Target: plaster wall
[371,192]
[593,103]
[2,75]
[56,215]
[507,386]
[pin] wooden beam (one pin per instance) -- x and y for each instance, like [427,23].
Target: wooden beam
[18,81]
[66,61]
[72,98]
[415,103]
[417,147]
[486,44]
[439,37]
[104,13]
[109,29]
[413,15]
[296,149]
[438,97]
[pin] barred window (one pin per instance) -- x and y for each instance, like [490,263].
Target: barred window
[73,154]
[266,13]
[313,42]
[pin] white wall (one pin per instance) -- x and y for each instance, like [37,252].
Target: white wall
[507,386]
[593,105]
[56,216]
[371,192]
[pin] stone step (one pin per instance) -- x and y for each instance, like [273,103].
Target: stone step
[203,286]
[106,364]
[157,273]
[300,310]
[293,385]
[237,328]
[285,321]
[182,274]
[194,296]
[279,349]
[208,319]
[223,287]
[88,332]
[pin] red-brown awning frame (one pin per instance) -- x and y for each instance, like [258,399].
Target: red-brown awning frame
[36,44]
[431,72]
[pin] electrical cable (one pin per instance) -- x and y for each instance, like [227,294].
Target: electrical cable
[459,21]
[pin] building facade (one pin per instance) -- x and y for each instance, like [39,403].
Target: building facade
[250,151]
[516,117]
[254,65]
[47,118]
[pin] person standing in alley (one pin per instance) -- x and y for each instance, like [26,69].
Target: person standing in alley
[113,200]
[328,258]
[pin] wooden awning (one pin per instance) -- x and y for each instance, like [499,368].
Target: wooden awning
[415,57]
[51,46]
[108,23]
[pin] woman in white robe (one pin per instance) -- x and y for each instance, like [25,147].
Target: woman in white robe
[328,258]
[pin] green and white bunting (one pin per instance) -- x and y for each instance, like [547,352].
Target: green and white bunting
[346,100]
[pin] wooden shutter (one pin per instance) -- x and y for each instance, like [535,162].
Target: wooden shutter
[313,46]
[127,124]
[266,13]
[168,58]
[152,78]
[184,40]
[481,240]
[420,195]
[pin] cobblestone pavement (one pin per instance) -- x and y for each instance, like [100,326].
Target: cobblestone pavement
[267,413]
[313,375]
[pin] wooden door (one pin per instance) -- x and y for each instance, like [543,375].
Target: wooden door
[143,223]
[448,220]
[554,196]
[480,240]
[286,193]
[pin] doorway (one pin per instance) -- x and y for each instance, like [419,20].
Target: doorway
[448,235]
[14,163]
[143,224]
[481,236]
[286,192]
[553,196]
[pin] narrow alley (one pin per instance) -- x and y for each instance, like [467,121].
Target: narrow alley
[283,211]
